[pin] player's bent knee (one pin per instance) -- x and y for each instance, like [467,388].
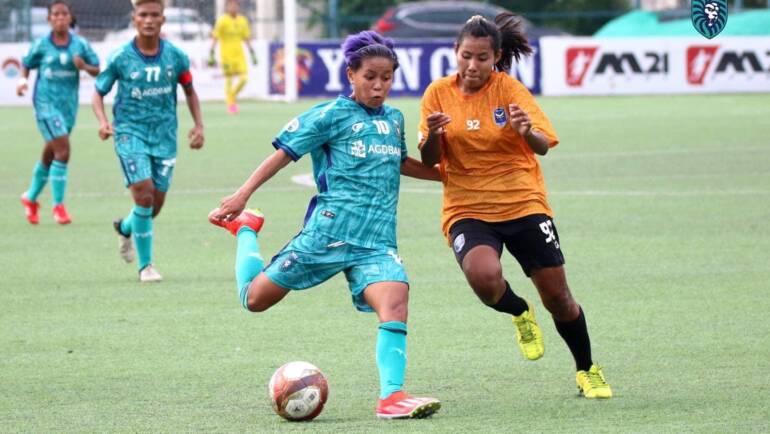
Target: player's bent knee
[61,149]
[397,311]
[254,304]
[560,304]
[62,155]
[485,281]
[144,200]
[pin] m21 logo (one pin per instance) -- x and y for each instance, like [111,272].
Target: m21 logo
[712,60]
[584,62]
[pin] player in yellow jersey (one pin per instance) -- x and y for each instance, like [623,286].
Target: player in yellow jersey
[232,31]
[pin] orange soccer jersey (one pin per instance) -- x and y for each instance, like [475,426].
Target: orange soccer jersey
[488,170]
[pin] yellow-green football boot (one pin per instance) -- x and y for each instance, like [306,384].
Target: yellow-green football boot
[591,383]
[528,334]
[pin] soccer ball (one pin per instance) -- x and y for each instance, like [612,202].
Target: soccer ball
[298,391]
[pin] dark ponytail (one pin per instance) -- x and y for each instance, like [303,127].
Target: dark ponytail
[506,34]
[514,42]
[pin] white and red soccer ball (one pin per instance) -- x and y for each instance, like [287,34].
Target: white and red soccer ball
[298,391]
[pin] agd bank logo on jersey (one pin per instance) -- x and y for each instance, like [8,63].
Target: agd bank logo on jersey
[709,17]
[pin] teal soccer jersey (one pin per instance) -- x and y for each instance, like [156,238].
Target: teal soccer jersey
[56,88]
[145,106]
[357,154]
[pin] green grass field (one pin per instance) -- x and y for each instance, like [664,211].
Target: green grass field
[661,203]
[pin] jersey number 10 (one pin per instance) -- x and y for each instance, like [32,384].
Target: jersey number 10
[382,127]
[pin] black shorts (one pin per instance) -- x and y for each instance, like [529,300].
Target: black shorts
[532,240]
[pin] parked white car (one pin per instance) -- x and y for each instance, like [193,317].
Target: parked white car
[182,24]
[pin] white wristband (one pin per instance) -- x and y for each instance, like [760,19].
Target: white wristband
[22,81]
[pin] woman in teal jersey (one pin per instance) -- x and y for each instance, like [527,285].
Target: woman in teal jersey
[358,151]
[59,58]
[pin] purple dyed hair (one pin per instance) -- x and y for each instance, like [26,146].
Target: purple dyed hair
[366,44]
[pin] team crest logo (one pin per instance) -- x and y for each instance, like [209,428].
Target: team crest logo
[292,126]
[63,58]
[459,243]
[134,75]
[500,118]
[170,72]
[709,17]
[289,262]
[358,126]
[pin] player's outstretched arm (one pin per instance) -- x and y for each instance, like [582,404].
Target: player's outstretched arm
[105,128]
[231,206]
[22,87]
[430,151]
[194,104]
[80,64]
[415,169]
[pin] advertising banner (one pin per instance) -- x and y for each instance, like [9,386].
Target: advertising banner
[591,66]
[321,67]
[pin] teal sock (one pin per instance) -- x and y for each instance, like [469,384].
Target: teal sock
[58,181]
[391,357]
[125,224]
[141,229]
[39,179]
[248,261]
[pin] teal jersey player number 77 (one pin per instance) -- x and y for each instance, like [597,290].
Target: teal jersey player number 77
[147,70]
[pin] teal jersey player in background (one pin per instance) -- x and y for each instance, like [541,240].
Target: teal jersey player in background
[358,153]
[147,70]
[59,58]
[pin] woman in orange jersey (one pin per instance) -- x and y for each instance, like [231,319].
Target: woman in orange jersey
[484,128]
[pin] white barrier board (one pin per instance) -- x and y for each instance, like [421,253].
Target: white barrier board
[592,66]
[209,81]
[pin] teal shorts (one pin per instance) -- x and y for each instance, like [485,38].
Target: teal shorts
[312,258]
[138,164]
[53,126]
